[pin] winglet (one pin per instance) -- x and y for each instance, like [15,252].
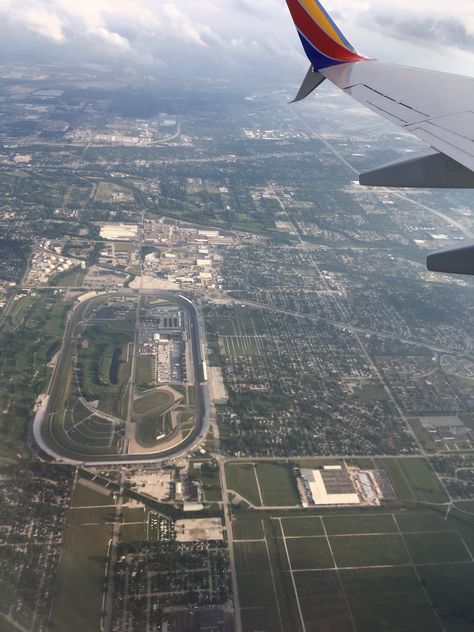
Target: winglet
[324,43]
[312,80]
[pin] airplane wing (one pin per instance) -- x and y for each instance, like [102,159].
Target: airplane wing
[436,107]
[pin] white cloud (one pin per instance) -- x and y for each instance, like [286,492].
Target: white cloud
[41,22]
[253,32]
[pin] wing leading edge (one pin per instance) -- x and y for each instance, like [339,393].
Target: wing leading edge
[436,107]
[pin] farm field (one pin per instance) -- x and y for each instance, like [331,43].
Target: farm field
[372,570]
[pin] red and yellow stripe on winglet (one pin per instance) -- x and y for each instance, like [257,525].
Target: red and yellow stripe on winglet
[324,43]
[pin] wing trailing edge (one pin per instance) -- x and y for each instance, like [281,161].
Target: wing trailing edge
[454,261]
[428,169]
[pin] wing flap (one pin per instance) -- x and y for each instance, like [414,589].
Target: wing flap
[434,106]
[428,168]
[383,105]
[454,146]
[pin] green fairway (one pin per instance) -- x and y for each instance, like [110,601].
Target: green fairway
[104,364]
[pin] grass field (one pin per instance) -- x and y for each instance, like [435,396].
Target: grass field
[277,484]
[144,375]
[372,571]
[71,278]
[240,335]
[133,532]
[157,401]
[267,484]
[247,529]
[424,436]
[364,523]
[208,475]
[302,526]
[108,192]
[414,479]
[77,602]
[33,326]
[241,478]
[86,497]
[371,393]
[309,553]
[369,550]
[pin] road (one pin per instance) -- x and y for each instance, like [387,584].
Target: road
[230,540]
[107,621]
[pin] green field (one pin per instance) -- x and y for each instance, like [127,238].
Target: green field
[390,570]
[356,524]
[370,393]
[309,553]
[157,401]
[277,484]
[208,475]
[105,365]
[251,557]
[274,481]
[30,335]
[133,532]
[71,278]
[247,529]
[429,548]
[302,526]
[241,478]
[424,436]
[369,550]
[86,497]
[77,602]
[144,371]
[414,479]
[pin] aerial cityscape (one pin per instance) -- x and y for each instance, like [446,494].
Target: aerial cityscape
[232,397]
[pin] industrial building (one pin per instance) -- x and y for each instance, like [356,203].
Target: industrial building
[330,486]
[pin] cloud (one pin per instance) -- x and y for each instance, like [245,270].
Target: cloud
[440,31]
[41,22]
[211,36]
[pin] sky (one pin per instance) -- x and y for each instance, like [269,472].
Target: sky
[213,37]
